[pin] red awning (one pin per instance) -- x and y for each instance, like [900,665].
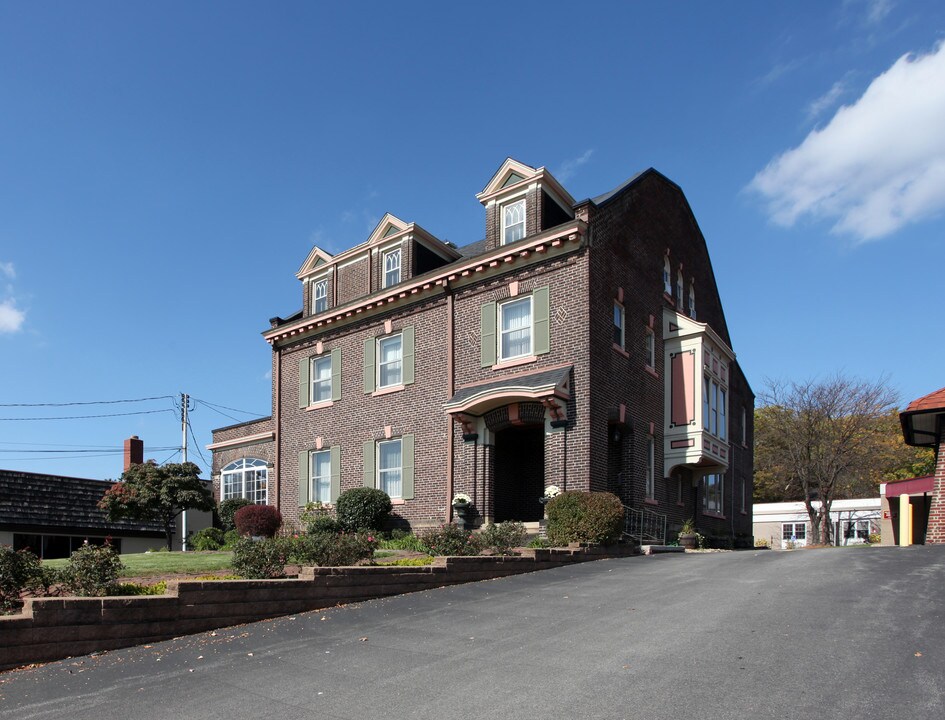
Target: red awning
[915,486]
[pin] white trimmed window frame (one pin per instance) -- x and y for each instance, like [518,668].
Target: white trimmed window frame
[388,477]
[502,333]
[319,296]
[319,393]
[245,478]
[650,489]
[320,482]
[383,365]
[650,348]
[667,277]
[620,326]
[713,494]
[790,529]
[714,407]
[513,210]
[392,266]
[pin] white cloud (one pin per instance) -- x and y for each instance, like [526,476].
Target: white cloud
[569,167]
[11,318]
[877,165]
[8,270]
[826,101]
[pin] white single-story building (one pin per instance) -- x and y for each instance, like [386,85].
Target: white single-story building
[786,522]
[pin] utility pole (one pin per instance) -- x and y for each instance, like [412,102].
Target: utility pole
[184,400]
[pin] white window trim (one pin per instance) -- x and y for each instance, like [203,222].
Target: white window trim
[650,489]
[396,251]
[720,482]
[315,382]
[316,284]
[623,324]
[531,328]
[377,475]
[650,348]
[667,277]
[246,464]
[380,363]
[314,478]
[502,208]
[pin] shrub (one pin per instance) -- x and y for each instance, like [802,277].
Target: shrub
[408,562]
[18,569]
[584,517]
[261,559]
[322,525]
[258,520]
[761,542]
[228,510]
[874,539]
[92,571]
[210,538]
[230,538]
[502,537]
[332,549]
[316,518]
[403,541]
[363,508]
[158,588]
[449,540]
[540,542]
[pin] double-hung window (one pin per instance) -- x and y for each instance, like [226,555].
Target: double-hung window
[794,532]
[321,378]
[667,282]
[321,476]
[513,221]
[650,349]
[714,404]
[515,328]
[618,325]
[319,296]
[390,467]
[650,468]
[390,361]
[392,267]
[712,494]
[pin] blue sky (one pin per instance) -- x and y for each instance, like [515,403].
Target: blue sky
[166,167]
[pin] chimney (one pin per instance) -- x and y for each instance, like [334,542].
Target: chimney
[134,451]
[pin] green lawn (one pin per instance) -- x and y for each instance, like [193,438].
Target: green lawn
[167,563]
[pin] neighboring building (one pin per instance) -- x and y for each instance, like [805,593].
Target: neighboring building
[920,515]
[580,344]
[915,496]
[53,515]
[783,523]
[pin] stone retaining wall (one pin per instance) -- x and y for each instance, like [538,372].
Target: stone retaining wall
[54,628]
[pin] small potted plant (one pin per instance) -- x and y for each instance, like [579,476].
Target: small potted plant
[687,535]
[551,492]
[462,506]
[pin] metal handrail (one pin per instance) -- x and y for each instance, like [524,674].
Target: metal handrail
[644,525]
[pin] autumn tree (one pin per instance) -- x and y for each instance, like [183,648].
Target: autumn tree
[821,440]
[149,491]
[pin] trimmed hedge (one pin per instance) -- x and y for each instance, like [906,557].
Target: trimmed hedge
[227,511]
[585,517]
[363,508]
[258,520]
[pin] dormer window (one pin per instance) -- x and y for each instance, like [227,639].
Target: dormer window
[513,221]
[679,290]
[391,267]
[667,281]
[319,296]
[692,301]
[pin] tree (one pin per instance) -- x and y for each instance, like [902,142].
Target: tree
[149,491]
[822,440]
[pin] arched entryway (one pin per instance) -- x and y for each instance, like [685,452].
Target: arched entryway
[519,473]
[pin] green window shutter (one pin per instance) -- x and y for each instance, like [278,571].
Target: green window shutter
[304,479]
[406,472]
[336,374]
[370,350]
[305,386]
[487,335]
[542,321]
[369,458]
[407,355]
[335,473]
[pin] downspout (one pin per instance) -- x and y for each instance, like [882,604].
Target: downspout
[277,413]
[449,394]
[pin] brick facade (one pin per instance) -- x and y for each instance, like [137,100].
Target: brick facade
[589,434]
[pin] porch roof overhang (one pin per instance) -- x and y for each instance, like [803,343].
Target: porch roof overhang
[924,427]
[541,385]
[912,486]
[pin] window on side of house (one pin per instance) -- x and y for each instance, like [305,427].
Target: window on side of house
[712,494]
[667,281]
[319,296]
[321,378]
[391,267]
[650,339]
[618,325]
[321,476]
[515,328]
[692,301]
[650,469]
[794,531]
[390,467]
[245,478]
[723,421]
[389,361]
[679,291]
[513,221]
[744,426]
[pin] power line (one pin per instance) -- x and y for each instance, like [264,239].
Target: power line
[103,451]
[64,457]
[91,402]
[86,417]
[197,445]
[213,406]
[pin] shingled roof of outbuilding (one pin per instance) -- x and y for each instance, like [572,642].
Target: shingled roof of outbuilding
[932,401]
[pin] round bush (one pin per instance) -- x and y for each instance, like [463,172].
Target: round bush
[261,559]
[258,520]
[92,570]
[227,511]
[210,538]
[584,517]
[363,509]
[17,570]
[333,549]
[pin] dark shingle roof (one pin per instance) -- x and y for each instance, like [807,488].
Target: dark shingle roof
[473,249]
[51,501]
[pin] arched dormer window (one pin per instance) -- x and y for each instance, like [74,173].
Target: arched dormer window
[679,291]
[245,478]
[692,301]
[667,282]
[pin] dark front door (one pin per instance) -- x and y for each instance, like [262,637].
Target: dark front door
[519,473]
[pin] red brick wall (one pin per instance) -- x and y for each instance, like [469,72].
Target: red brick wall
[262,451]
[353,280]
[936,530]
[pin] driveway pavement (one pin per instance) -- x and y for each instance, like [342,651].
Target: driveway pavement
[838,633]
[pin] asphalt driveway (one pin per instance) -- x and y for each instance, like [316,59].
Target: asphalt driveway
[807,634]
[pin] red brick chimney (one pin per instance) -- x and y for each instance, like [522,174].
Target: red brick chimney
[134,451]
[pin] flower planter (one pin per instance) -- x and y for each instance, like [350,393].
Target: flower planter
[689,540]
